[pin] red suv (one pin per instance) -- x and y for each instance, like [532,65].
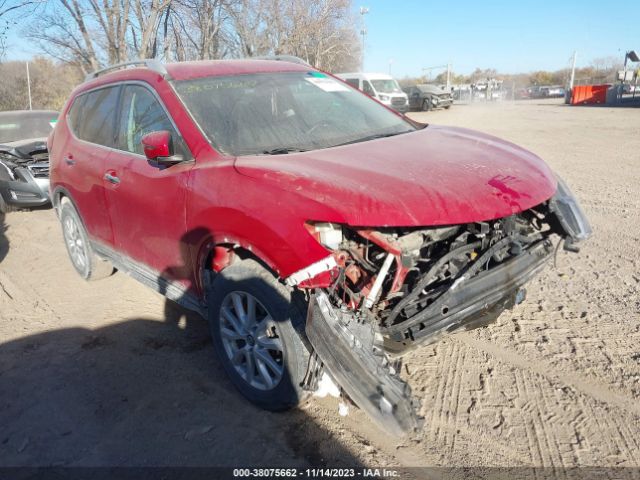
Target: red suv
[320,233]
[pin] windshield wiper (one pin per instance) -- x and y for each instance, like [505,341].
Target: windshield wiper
[283,150]
[372,137]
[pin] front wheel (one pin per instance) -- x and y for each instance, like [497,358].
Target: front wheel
[253,325]
[426,105]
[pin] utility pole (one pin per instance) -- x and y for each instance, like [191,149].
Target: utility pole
[573,70]
[363,30]
[390,62]
[448,77]
[29,86]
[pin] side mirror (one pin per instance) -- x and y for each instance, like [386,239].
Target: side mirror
[158,149]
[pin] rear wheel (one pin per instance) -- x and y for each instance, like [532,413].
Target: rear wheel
[83,259]
[253,324]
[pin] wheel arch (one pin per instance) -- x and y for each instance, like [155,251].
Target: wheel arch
[222,235]
[57,196]
[213,257]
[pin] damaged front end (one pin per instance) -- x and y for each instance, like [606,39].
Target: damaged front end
[387,290]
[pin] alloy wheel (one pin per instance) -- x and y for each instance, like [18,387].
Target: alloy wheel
[250,339]
[75,243]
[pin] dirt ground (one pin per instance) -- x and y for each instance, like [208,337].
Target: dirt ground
[107,373]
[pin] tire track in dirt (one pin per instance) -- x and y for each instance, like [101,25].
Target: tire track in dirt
[573,379]
[546,443]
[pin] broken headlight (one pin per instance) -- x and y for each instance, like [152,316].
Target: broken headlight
[6,165]
[328,234]
[568,212]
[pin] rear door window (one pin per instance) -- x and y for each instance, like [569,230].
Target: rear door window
[142,113]
[96,116]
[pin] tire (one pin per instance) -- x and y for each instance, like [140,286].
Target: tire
[88,265]
[243,348]
[447,107]
[426,105]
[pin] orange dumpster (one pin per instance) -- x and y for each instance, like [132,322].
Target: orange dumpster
[589,94]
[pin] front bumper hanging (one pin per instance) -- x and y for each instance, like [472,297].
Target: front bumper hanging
[348,351]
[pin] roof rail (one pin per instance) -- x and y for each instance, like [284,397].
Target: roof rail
[282,58]
[150,63]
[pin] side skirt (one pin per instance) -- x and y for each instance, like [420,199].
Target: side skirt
[151,278]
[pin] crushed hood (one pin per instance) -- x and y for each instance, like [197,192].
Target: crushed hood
[434,176]
[25,148]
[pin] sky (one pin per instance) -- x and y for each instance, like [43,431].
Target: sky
[510,36]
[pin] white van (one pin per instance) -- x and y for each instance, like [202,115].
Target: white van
[383,87]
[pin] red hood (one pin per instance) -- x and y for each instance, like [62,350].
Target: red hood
[435,176]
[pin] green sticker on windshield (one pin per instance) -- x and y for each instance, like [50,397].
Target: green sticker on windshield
[317,75]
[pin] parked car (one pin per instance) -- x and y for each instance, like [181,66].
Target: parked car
[428,97]
[539,92]
[555,92]
[628,88]
[378,85]
[24,160]
[320,233]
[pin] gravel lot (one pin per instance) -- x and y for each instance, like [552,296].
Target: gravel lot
[107,373]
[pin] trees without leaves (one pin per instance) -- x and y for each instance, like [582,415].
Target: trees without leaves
[9,9]
[94,33]
[51,84]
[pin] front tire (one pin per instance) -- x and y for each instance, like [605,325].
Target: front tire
[426,105]
[88,265]
[254,329]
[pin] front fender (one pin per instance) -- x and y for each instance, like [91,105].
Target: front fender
[285,251]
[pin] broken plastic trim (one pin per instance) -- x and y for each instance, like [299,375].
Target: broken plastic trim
[307,273]
[476,300]
[571,217]
[346,348]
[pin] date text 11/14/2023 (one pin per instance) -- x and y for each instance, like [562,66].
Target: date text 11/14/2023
[315,473]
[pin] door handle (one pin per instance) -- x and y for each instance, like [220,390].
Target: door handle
[111,178]
[69,160]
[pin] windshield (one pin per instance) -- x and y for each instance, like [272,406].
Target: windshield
[23,126]
[386,86]
[284,112]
